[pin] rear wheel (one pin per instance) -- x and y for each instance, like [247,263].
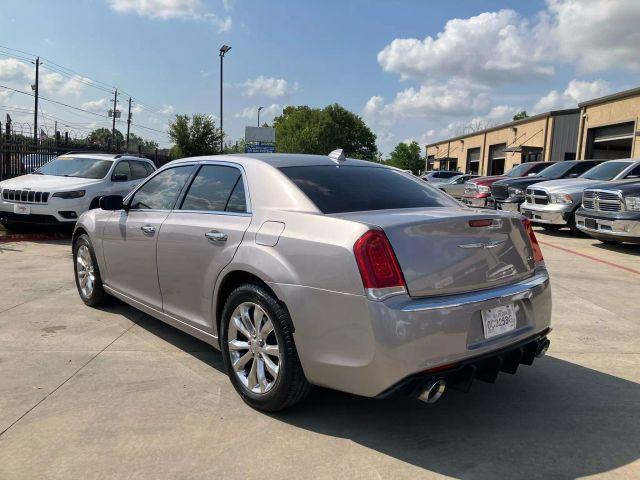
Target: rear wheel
[258,350]
[88,280]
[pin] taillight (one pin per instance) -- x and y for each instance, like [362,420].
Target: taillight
[535,246]
[379,269]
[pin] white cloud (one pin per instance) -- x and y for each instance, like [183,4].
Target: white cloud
[490,48]
[267,113]
[270,87]
[98,106]
[57,84]
[595,35]
[4,95]
[12,69]
[577,91]
[426,101]
[171,9]
[167,110]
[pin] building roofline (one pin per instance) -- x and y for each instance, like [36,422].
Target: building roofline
[614,96]
[552,113]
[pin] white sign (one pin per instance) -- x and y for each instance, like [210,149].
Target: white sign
[260,134]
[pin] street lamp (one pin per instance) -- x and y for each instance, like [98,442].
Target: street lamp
[259,108]
[223,49]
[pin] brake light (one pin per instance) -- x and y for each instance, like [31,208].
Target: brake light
[379,268]
[535,246]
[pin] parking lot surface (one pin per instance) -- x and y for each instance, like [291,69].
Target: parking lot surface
[114,393]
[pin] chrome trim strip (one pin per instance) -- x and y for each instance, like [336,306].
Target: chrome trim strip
[518,291]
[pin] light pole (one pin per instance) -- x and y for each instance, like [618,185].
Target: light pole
[259,108]
[223,49]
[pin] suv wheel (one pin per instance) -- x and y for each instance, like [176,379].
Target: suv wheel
[259,352]
[88,280]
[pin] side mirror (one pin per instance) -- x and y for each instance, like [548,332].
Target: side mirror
[111,202]
[120,177]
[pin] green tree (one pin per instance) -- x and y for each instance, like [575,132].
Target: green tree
[102,137]
[146,145]
[520,115]
[407,157]
[319,131]
[196,135]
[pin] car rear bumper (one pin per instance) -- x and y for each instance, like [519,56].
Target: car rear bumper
[609,229]
[349,343]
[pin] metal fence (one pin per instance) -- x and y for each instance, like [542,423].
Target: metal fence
[21,154]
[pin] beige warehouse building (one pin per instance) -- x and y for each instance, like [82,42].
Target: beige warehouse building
[605,128]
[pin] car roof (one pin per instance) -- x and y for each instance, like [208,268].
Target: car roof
[279,160]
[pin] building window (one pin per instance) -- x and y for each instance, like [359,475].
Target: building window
[473,161]
[430,161]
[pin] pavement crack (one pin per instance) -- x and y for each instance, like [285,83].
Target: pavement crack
[133,324]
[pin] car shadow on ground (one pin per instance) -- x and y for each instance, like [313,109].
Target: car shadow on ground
[53,235]
[555,419]
[626,248]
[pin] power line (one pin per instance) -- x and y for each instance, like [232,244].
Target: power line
[53,101]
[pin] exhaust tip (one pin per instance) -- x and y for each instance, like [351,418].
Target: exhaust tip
[543,347]
[433,392]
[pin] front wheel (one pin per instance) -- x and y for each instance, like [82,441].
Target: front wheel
[551,227]
[88,280]
[259,352]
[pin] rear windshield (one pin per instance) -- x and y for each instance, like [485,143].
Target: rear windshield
[339,189]
[605,171]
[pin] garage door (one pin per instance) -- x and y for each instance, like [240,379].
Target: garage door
[497,157]
[473,161]
[611,142]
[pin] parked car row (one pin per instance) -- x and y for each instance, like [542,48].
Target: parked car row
[597,197]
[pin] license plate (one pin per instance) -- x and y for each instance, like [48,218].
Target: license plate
[499,320]
[527,213]
[591,223]
[21,209]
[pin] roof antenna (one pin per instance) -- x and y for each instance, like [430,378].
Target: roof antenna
[337,156]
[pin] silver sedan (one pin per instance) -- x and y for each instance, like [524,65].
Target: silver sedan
[321,270]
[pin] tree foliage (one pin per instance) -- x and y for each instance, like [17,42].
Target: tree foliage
[196,135]
[102,137]
[304,129]
[146,145]
[520,115]
[407,157]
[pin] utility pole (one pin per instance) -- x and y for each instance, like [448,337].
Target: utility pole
[35,109]
[113,126]
[128,124]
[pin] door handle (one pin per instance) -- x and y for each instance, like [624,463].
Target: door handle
[216,236]
[148,229]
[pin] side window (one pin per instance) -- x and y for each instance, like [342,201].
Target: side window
[139,170]
[237,202]
[122,172]
[580,168]
[161,191]
[634,173]
[149,168]
[211,188]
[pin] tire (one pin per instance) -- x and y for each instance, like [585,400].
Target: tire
[572,225]
[551,227]
[91,293]
[262,390]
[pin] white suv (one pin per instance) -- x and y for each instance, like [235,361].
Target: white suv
[58,192]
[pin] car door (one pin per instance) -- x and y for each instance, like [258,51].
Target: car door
[198,239]
[457,189]
[130,235]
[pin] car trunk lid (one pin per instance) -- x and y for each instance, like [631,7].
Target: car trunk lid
[444,251]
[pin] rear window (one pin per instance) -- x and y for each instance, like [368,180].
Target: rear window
[343,188]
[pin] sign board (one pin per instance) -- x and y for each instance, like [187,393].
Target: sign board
[259,148]
[260,134]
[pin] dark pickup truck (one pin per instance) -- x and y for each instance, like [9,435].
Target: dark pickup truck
[509,193]
[610,212]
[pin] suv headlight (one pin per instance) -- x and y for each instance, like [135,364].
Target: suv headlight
[72,194]
[516,192]
[484,189]
[632,203]
[562,198]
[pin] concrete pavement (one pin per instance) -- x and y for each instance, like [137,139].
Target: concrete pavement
[114,393]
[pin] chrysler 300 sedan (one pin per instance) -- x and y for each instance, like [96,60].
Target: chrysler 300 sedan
[321,270]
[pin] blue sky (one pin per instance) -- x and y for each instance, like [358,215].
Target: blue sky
[413,69]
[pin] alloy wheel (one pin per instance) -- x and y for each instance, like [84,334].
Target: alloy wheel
[85,271]
[253,348]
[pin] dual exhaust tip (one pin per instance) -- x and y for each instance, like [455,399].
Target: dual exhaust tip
[434,390]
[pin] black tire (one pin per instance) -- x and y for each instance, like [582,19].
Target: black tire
[291,385]
[97,296]
[551,227]
[572,226]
